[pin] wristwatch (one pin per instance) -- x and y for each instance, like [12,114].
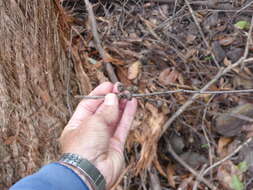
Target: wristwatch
[88,169]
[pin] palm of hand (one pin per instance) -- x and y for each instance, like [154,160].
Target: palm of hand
[98,130]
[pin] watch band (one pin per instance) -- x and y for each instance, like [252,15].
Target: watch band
[88,169]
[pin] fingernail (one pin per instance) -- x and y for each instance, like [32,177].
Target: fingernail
[110,99]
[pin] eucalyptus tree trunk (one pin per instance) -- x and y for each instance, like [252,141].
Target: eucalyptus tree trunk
[34,77]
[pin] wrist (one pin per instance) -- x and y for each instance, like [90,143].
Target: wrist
[80,174]
[85,168]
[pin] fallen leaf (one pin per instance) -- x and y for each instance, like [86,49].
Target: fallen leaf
[134,70]
[114,61]
[243,166]
[190,38]
[159,167]
[231,123]
[218,51]
[122,74]
[170,175]
[234,54]
[223,142]
[194,159]
[168,76]
[177,143]
[228,40]
[152,130]
[230,176]
[236,183]
[243,25]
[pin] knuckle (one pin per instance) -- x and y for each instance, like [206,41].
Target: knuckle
[83,104]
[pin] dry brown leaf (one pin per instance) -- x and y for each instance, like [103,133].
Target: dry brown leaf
[150,135]
[114,61]
[227,40]
[223,142]
[190,38]
[170,175]
[168,76]
[134,70]
[122,74]
[159,167]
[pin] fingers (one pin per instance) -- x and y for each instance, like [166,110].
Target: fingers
[122,102]
[86,108]
[109,111]
[115,87]
[121,133]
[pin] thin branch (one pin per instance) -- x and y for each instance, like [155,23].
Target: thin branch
[195,187]
[172,92]
[228,156]
[218,75]
[189,168]
[93,23]
[248,60]
[201,32]
[245,7]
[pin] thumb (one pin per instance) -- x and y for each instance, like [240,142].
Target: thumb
[109,111]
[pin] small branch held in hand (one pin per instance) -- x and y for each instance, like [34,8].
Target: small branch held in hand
[128,95]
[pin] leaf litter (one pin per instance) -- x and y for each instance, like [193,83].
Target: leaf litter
[153,46]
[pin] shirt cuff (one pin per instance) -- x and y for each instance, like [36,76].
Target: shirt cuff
[51,177]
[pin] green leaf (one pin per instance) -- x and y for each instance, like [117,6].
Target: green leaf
[204,146]
[208,58]
[236,183]
[243,25]
[243,166]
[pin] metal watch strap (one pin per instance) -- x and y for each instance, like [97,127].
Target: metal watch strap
[89,170]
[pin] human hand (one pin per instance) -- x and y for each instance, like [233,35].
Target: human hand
[98,130]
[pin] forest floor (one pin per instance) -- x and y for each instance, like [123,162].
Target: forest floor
[197,133]
[181,138]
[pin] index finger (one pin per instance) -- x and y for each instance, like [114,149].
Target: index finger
[86,108]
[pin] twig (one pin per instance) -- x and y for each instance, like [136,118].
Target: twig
[210,151]
[173,92]
[201,32]
[195,187]
[218,75]
[245,7]
[189,168]
[228,156]
[248,60]
[108,66]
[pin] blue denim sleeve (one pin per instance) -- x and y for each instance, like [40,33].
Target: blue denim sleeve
[51,177]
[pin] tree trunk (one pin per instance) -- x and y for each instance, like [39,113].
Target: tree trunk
[34,80]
